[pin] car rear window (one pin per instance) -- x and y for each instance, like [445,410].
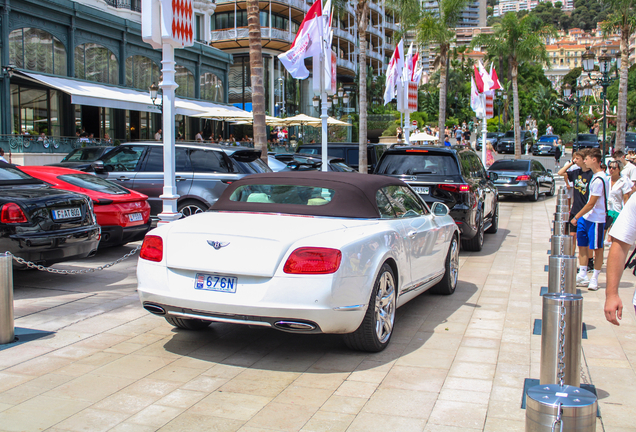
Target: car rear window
[11,176]
[283,194]
[509,165]
[91,182]
[254,167]
[588,137]
[416,163]
[510,134]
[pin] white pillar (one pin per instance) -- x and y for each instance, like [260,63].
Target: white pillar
[407,128]
[484,131]
[271,86]
[325,131]
[168,86]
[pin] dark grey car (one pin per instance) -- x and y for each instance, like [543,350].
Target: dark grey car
[202,172]
[522,177]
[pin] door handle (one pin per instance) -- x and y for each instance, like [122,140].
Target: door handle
[412,234]
[123,178]
[178,178]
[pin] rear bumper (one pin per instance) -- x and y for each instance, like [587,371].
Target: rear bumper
[115,235]
[521,189]
[52,248]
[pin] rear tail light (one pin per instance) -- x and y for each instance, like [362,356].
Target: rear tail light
[523,178]
[12,213]
[152,248]
[313,260]
[454,187]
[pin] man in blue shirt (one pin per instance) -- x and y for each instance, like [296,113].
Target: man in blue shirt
[446,141]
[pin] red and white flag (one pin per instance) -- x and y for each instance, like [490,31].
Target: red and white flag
[393,70]
[306,44]
[482,78]
[407,72]
[416,58]
[475,99]
[494,78]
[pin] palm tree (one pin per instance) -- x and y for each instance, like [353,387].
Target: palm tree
[439,28]
[256,75]
[519,41]
[622,20]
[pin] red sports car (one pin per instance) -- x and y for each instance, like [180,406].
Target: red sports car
[123,214]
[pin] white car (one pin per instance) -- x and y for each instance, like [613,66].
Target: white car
[303,252]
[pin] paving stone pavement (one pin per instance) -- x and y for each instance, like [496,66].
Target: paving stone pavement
[456,363]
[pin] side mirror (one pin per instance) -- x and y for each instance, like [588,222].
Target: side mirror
[439,209]
[98,166]
[549,170]
[492,176]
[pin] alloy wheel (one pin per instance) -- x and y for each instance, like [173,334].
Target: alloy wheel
[454,262]
[385,307]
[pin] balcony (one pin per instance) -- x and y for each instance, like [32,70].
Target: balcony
[375,55]
[375,31]
[243,33]
[390,26]
[298,4]
[343,34]
[375,7]
[346,64]
[133,5]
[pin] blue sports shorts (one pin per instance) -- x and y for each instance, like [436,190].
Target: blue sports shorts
[589,234]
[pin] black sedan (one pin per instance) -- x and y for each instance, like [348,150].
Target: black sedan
[522,177]
[81,158]
[545,145]
[587,141]
[42,224]
[506,143]
[491,137]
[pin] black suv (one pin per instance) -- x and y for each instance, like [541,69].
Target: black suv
[350,152]
[202,172]
[454,176]
[506,143]
[586,141]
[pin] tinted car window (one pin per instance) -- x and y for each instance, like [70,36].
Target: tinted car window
[510,134]
[341,167]
[476,168]
[85,154]
[154,160]
[548,139]
[587,137]
[509,165]
[536,166]
[124,158]
[386,209]
[207,161]
[419,163]
[91,182]
[254,167]
[10,175]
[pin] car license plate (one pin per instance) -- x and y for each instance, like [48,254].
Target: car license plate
[134,217]
[211,282]
[67,213]
[421,190]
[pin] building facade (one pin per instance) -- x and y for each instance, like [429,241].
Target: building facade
[81,67]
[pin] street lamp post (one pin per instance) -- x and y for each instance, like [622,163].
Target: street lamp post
[154,95]
[575,101]
[604,65]
[499,102]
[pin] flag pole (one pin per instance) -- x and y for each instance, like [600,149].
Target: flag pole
[323,96]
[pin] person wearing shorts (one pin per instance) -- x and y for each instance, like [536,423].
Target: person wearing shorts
[578,175]
[590,222]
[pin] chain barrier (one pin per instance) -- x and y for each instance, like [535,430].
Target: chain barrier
[40,267]
[558,420]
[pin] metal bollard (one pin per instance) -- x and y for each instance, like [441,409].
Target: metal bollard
[560,228]
[562,217]
[550,336]
[562,209]
[562,245]
[7,333]
[546,404]
[560,265]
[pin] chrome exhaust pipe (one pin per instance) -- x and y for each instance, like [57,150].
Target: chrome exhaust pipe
[294,325]
[157,310]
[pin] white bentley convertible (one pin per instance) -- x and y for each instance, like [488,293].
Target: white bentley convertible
[307,252]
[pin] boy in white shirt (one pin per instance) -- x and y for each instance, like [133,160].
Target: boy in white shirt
[590,221]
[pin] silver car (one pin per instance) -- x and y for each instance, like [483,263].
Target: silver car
[202,172]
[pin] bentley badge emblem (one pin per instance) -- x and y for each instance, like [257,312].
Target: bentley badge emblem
[217,245]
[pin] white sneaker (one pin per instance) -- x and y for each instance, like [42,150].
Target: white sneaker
[593,285]
[580,276]
[583,282]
